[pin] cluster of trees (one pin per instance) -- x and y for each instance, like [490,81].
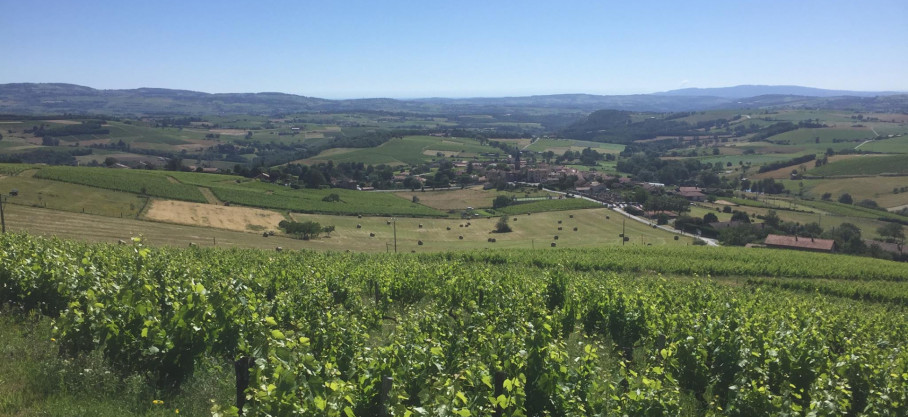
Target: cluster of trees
[650,168]
[305,230]
[766,185]
[587,156]
[617,126]
[847,236]
[87,127]
[782,164]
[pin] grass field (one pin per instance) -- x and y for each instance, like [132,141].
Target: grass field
[892,164]
[548,205]
[560,145]
[71,197]
[878,189]
[94,228]
[868,226]
[891,145]
[533,231]
[153,183]
[410,150]
[827,136]
[468,197]
[529,231]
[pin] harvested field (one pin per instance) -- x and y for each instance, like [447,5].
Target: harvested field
[207,215]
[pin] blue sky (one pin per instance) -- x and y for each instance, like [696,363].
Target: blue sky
[406,49]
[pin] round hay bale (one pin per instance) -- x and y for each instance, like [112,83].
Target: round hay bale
[460,237]
[575,229]
[371,234]
[676,237]
[359,226]
[279,249]
[556,237]
[448,228]
[419,242]
[559,227]
[359,216]
[571,216]
[389,222]
[553,244]
[420,225]
[559,221]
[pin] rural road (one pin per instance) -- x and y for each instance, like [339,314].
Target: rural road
[709,242]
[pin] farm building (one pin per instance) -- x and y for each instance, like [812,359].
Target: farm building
[800,243]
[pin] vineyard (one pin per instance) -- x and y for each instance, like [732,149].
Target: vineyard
[509,333]
[132,181]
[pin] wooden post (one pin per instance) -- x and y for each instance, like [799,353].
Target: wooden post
[241,367]
[499,390]
[385,395]
[2,219]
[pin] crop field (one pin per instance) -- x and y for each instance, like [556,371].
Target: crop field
[617,331]
[826,136]
[560,145]
[95,228]
[891,145]
[240,219]
[255,194]
[14,169]
[468,197]
[152,183]
[879,189]
[71,197]
[892,164]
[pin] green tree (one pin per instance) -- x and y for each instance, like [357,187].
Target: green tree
[314,178]
[502,226]
[501,201]
[846,199]
[892,232]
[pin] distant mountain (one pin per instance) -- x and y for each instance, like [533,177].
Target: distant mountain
[744,91]
[58,98]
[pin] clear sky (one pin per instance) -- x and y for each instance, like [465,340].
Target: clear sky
[407,49]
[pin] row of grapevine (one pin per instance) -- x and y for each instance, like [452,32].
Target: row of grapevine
[352,334]
[702,261]
[151,183]
[872,291]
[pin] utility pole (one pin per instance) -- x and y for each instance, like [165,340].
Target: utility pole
[623,232]
[395,234]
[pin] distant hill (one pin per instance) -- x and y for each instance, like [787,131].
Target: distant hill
[58,98]
[744,91]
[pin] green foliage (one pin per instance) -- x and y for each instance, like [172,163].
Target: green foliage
[471,333]
[845,199]
[304,230]
[153,183]
[502,225]
[501,202]
[864,165]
